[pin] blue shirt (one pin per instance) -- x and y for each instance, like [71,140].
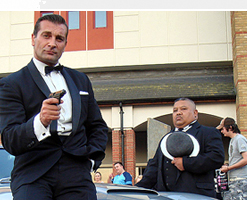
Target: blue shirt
[123,179]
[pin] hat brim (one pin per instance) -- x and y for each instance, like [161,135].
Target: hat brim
[194,153]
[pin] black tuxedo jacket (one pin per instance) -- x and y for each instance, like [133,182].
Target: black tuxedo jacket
[21,97]
[198,176]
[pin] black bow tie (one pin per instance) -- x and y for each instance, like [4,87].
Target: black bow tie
[49,69]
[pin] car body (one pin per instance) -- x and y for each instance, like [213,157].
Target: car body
[6,166]
[126,192]
[104,191]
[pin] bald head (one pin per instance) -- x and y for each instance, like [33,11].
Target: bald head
[184,112]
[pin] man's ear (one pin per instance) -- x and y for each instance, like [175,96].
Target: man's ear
[196,114]
[33,37]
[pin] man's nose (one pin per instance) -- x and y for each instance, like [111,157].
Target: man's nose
[52,43]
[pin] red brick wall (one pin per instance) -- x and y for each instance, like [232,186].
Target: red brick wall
[116,146]
[129,150]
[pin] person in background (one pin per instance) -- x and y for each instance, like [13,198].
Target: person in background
[187,174]
[122,177]
[55,145]
[98,177]
[237,168]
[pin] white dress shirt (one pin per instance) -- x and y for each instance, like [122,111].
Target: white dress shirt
[55,82]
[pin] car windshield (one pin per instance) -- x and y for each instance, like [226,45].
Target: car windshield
[6,164]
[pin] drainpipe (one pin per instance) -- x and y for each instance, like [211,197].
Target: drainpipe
[121,129]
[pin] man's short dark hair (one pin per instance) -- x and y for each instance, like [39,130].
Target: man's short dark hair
[183,99]
[229,123]
[119,164]
[56,19]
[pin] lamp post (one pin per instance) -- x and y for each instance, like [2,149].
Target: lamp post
[121,129]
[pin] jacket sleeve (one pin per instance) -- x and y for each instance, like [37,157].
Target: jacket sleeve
[211,155]
[17,132]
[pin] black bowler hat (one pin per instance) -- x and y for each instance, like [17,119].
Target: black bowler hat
[179,144]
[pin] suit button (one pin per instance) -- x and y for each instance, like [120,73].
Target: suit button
[43,134]
[30,145]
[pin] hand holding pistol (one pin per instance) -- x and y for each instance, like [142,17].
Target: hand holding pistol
[58,95]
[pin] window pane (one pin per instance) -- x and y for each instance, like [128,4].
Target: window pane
[46,13]
[100,19]
[73,20]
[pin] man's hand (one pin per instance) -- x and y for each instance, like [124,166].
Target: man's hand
[178,162]
[224,168]
[58,95]
[110,178]
[50,110]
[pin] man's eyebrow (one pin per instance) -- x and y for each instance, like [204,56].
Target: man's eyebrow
[58,35]
[180,107]
[46,32]
[184,106]
[61,36]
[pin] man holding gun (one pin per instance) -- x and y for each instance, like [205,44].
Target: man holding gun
[55,145]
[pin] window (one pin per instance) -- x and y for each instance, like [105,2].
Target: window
[38,14]
[100,38]
[73,20]
[100,19]
[88,30]
[76,21]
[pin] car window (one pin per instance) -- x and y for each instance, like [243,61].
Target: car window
[6,163]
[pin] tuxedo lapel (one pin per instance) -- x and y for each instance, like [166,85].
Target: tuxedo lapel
[194,129]
[74,92]
[76,105]
[39,81]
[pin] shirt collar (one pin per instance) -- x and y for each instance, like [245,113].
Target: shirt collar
[40,65]
[186,128]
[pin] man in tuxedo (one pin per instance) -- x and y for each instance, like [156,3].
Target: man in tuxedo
[55,145]
[187,174]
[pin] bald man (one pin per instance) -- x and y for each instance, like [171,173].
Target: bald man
[187,174]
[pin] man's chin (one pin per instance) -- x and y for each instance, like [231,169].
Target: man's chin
[178,123]
[51,62]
